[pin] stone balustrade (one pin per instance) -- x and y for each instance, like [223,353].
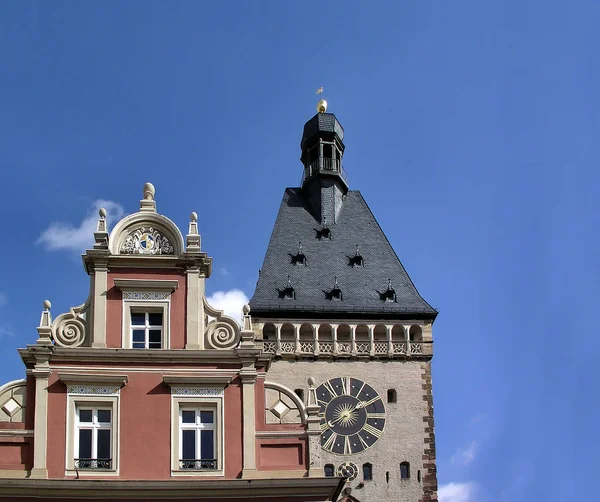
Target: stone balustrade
[346,340]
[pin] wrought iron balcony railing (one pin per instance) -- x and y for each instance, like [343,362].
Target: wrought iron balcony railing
[324,166]
[93,463]
[198,464]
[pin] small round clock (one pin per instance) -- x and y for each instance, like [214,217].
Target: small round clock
[352,415]
[347,470]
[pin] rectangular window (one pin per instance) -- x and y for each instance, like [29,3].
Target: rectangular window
[197,438]
[146,329]
[93,438]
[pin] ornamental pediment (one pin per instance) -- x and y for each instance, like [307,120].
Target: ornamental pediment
[146,240]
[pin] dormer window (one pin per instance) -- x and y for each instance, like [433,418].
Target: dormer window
[299,258]
[336,293]
[323,233]
[389,295]
[288,292]
[357,260]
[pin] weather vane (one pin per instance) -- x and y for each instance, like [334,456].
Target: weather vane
[322,104]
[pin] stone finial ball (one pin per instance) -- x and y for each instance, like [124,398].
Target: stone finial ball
[311,381]
[47,304]
[194,216]
[246,309]
[102,212]
[149,191]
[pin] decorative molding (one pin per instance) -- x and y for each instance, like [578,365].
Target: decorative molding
[146,284]
[281,434]
[70,329]
[223,332]
[146,295]
[291,395]
[197,391]
[146,241]
[96,390]
[13,433]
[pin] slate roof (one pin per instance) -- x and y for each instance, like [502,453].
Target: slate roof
[325,259]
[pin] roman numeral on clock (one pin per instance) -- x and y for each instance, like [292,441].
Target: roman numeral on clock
[346,385]
[330,388]
[330,440]
[347,447]
[376,415]
[369,429]
[370,401]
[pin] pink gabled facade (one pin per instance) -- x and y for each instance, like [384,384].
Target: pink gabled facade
[146,385]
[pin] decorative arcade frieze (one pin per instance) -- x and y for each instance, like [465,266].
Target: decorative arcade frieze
[347,340]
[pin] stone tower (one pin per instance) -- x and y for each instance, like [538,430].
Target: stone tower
[348,331]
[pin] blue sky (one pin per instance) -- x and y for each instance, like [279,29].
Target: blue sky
[471,129]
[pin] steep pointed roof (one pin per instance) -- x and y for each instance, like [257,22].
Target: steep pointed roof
[364,286]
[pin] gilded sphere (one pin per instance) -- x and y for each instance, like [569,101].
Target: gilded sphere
[194,216]
[322,106]
[47,304]
[311,381]
[246,309]
[102,212]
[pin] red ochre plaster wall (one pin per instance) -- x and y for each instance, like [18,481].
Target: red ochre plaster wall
[15,452]
[114,307]
[282,454]
[145,429]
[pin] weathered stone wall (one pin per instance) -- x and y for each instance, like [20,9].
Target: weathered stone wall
[408,433]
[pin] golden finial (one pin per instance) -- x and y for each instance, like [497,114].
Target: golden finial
[322,104]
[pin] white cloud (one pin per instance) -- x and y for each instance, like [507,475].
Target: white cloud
[6,331]
[457,492]
[230,302]
[61,236]
[465,456]
[3,299]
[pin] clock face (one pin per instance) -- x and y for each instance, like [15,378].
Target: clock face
[347,470]
[352,415]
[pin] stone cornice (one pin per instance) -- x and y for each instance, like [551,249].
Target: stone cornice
[294,489]
[146,284]
[97,378]
[184,261]
[144,356]
[221,380]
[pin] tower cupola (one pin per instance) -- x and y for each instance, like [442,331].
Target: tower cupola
[324,179]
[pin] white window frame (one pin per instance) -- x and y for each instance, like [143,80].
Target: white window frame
[197,427]
[146,306]
[147,327]
[205,403]
[76,402]
[95,426]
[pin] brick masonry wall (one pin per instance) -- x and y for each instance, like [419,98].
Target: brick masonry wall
[408,434]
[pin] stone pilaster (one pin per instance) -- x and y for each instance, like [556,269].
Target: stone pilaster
[41,372]
[248,377]
[195,310]
[99,289]
[313,431]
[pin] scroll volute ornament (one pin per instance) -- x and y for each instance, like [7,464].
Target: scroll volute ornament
[70,329]
[223,332]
